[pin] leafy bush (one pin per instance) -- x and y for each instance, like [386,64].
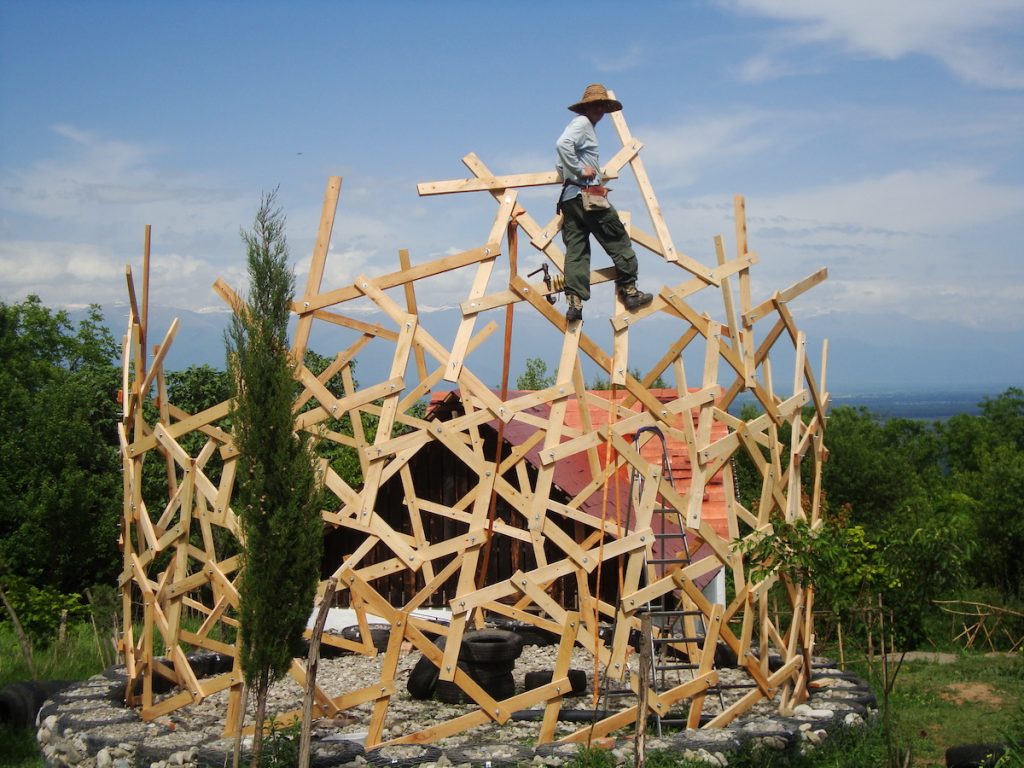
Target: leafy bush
[39,609]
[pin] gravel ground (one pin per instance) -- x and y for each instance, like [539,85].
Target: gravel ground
[89,726]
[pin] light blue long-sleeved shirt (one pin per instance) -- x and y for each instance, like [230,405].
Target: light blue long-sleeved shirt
[575,149]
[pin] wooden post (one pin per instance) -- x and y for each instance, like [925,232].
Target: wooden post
[645,678]
[144,317]
[311,670]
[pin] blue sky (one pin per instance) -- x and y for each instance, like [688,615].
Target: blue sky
[880,139]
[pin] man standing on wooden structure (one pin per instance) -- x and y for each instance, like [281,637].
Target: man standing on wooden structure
[586,210]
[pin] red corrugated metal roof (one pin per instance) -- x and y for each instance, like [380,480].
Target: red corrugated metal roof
[572,474]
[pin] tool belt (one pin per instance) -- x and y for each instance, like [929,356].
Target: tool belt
[595,197]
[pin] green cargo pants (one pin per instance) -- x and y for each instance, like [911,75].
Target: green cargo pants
[577,227]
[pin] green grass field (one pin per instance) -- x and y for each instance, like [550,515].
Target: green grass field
[975,699]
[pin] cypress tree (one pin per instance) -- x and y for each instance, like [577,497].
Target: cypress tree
[277,482]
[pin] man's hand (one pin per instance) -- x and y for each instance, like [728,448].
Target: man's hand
[588,172]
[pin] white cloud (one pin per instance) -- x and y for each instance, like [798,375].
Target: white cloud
[681,153]
[73,274]
[931,202]
[967,37]
[80,216]
[919,242]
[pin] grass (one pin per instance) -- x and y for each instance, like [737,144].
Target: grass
[77,658]
[976,699]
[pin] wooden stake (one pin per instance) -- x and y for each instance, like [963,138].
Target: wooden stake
[311,670]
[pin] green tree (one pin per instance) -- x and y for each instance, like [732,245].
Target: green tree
[277,482]
[601,382]
[984,455]
[198,387]
[535,376]
[59,468]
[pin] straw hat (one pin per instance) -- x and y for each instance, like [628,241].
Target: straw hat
[596,94]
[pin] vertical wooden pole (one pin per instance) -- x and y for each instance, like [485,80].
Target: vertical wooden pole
[513,269]
[144,319]
[311,670]
[645,675]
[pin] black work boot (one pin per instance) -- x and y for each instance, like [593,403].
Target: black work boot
[633,297]
[575,310]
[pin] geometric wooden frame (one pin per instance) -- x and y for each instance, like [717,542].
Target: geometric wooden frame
[180,550]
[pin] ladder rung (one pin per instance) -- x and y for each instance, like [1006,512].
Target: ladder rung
[663,560]
[675,639]
[690,612]
[674,667]
[731,686]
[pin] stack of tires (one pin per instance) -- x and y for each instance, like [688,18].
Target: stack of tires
[488,656]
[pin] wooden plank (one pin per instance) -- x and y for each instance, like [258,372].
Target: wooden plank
[511,181]
[401,277]
[707,663]
[180,428]
[456,358]
[560,671]
[740,215]
[316,267]
[387,672]
[158,359]
[785,296]
[410,304]
[668,249]
[628,716]
[523,219]
[371,330]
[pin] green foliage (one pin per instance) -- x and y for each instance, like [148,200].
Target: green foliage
[535,376]
[940,500]
[19,748]
[277,483]
[60,485]
[984,458]
[77,658]
[343,458]
[39,609]
[592,757]
[1013,740]
[281,745]
[998,489]
[605,383]
[842,563]
[198,387]
[873,467]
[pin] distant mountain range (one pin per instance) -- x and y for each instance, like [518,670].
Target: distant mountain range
[877,355]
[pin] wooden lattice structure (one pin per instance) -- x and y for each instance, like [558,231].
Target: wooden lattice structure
[180,551]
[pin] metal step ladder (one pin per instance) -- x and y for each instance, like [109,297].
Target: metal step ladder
[677,629]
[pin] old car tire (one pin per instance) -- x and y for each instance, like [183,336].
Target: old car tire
[488,645]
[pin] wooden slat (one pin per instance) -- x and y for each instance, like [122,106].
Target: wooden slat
[488,182]
[317,263]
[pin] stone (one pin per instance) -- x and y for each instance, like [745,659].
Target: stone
[803,710]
